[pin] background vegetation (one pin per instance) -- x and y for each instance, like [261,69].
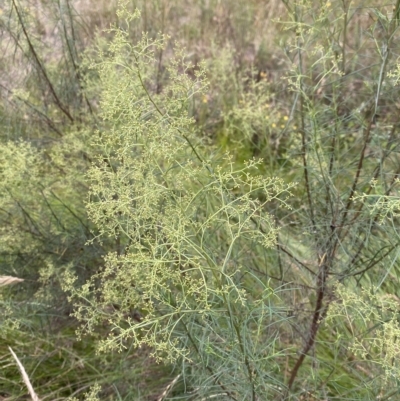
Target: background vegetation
[201,198]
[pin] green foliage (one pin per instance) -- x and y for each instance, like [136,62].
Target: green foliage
[179,281]
[241,284]
[368,323]
[45,152]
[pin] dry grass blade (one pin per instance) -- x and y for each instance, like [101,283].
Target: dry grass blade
[25,377]
[8,280]
[168,389]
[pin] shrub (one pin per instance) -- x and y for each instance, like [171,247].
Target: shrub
[186,224]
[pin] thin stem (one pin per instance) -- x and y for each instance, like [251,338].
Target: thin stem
[318,314]
[40,66]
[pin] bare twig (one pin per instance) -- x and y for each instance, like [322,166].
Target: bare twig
[168,388]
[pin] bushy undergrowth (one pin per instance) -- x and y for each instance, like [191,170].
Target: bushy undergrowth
[235,218]
[186,226]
